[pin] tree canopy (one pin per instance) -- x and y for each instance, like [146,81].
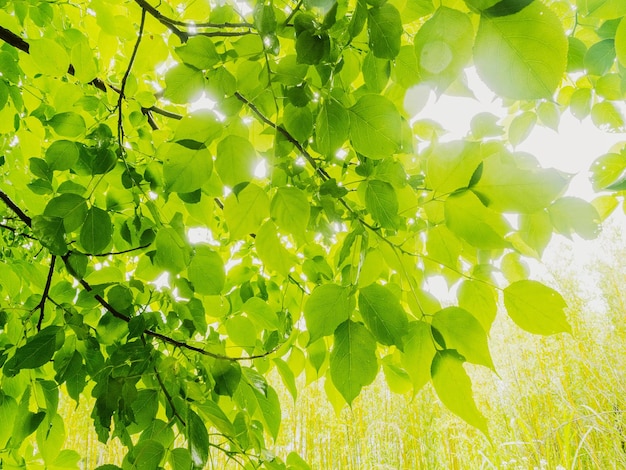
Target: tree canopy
[197,193]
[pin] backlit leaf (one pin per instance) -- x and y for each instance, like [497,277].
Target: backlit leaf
[462,332]
[353,361]
[96,231]
[454,388]
[383,314]
[375,127]
[536,308]
[185,167]
[327,307]
[522,56]
[385,30]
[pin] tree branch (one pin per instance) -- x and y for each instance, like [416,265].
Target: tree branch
[164,20]
[14,40]
[19,212]
[305,153]
[46,291]
[119,315]
[121,96]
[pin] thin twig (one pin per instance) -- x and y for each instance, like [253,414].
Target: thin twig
[119,315]
[168,397]
[46,291]
[121,96]
[113,253]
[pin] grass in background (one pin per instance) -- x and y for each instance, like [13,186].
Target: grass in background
[558,403]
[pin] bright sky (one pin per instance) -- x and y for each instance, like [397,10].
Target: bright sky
[573,149]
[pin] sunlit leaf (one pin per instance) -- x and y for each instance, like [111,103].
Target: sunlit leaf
[454,388]
[353,362]
[536,308]
[522,56]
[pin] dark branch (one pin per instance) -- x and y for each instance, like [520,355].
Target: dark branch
[224,34]
[121,96]
[16,231]
[14,40]
[19,212]
[164,20]
[163,112]
[305,153]
[46,292]
[114,253]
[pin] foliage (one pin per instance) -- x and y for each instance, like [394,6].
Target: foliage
[324,206]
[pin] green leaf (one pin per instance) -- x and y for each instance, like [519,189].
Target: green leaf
[241,331]
[376,73]
[37,351]
[261,313]
[382,203]
[50,231]
[521,127]
[236,160]
[580,103]
[147,455]
[454,389]
[186,167]
[620,42]
[62,155]
[602,9]
[290,209]
[180,459]
[608,171]
[375,127]
[50,57]
[530,45]
[384,26]
[506,7]
[536,308]
[271,251]
[600,57]
[312,47]
[199,52]
[549,114]
[332,128]
[478,225]
[288,377]
[97,230]
[463,332]
[298,121]
[506,187]
[383,314]
[206,271]
[68,124]
[419,352]
[183,84]
[217,417]
[485,125]
[8,413]
[571,215]
[198,439]
[69,207]
[443,46]
[451,165]
[607,116]
[245,212]
[353,361]
[269,405]
[326,308]
[172,252]
[479,299]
